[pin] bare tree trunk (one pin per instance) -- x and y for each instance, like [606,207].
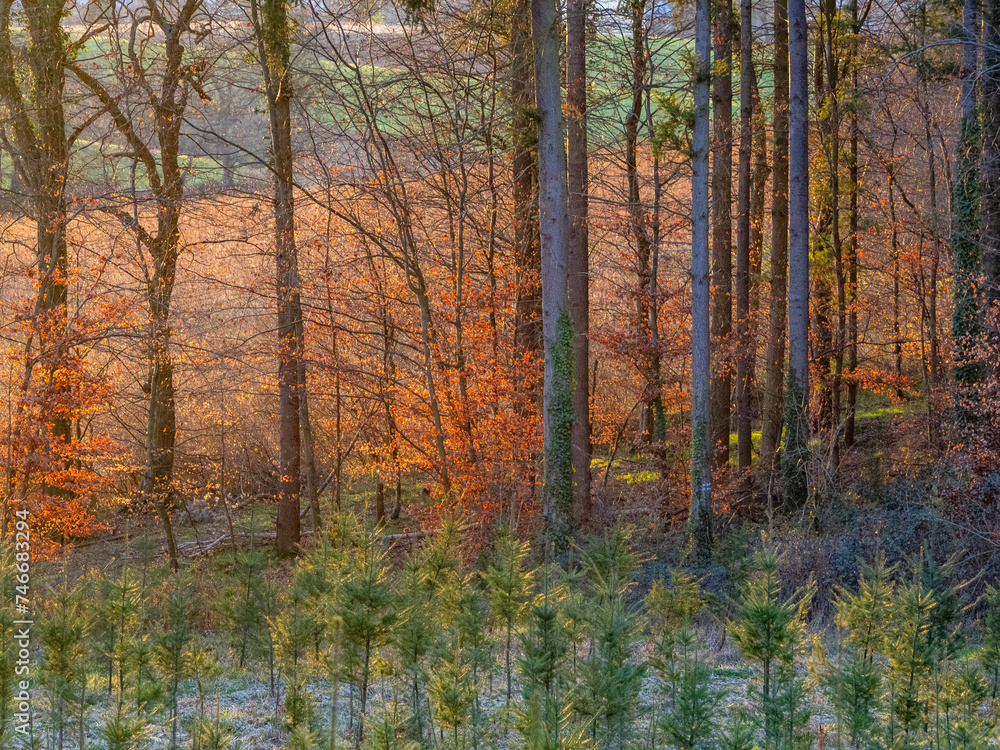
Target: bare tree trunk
[967,260]
[579,253]
[758,202]
[557,326]
[38,140]
[274,49]
[308,445]
[743,353]
[722,230]
[833,53]
[527,250]
[897,341]
[934,364]
[989,82]
[796,451]
[177,80]
[774,376]
[700,521]
[852,251]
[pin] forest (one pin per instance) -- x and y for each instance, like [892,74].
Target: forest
[500,374]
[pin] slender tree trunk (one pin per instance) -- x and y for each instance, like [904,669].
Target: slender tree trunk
[527,249]
[989,82]
[722,230]
[934,363]
[966,323]
[897,341]
[308,444]
[743,351]
[275,55]
[700,521]
[777,306]
[579,253]
[557,330]
[637,219]
[758,202]
[833,54]
[852,252]
[796,451]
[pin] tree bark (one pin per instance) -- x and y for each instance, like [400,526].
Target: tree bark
[274,49]
[556,321]
[966,323]
[579,254]
[796,451]
[777,305]
[852,251]
[700,520]
[743,352]
[989,82]
[527,249]
[41,160]
[722,230]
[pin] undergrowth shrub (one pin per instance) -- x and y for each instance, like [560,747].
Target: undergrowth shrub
[367,648]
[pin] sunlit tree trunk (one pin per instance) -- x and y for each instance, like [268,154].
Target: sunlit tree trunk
[274,50]
[35,122]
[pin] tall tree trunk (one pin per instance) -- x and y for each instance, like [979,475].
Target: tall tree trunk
[274,49]
[722,230]
[579,253]
[36,124]
[773,409]
[700,520]
[637,220]
[308,442]
[527,250]
[177,79]
[852,251]
[774,376]
[966,323]
[833,54]
[897,340]
[758,202]
[934,358]
[989,82]
[557,325]
[796,451]
[743,352]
